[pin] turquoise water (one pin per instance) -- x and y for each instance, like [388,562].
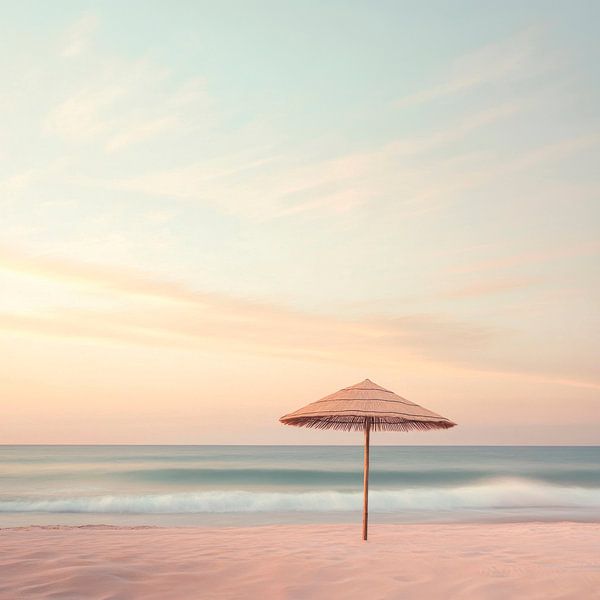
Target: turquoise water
[235,485]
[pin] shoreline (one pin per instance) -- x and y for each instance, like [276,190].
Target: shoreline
[316,562]
[300,525]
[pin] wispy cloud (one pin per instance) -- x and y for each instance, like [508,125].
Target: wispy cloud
[85,115]
[185,316]
[154,312]
[119,103]
[78,37]
[265,187]
[122,104]
[486,288]
[527,258]
[495,64]
[142,131]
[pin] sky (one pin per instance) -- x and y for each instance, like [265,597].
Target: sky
[214,213]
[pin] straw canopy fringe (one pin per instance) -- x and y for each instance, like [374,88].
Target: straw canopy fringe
[352,423]
[366,403]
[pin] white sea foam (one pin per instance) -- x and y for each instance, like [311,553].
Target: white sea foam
[498,493]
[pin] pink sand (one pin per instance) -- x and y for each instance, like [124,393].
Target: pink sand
[500,561]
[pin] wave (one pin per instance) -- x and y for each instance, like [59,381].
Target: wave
[325,478]
[495,494]
[300,477]
[338,477]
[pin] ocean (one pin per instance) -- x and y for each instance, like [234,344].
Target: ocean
[251,485]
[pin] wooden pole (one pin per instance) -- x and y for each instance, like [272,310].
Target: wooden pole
[366,481]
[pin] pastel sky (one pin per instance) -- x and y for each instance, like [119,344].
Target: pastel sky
[213,213]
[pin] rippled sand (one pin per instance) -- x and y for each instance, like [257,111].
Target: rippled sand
[475,561]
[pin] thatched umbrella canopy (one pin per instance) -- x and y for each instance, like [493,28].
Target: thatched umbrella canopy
[366,406]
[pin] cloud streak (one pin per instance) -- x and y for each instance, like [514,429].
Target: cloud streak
[497,64]
[486,288]
[185,316]
[263,187]
[152,312]
[528,258]
[122,103]
[78,37]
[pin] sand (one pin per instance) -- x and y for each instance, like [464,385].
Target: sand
[462,561]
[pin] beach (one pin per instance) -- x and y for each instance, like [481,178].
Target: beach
[314,562]
[229,522]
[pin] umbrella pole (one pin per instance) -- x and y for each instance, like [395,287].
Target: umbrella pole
[366,481]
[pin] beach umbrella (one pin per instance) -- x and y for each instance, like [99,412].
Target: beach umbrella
[366,407]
